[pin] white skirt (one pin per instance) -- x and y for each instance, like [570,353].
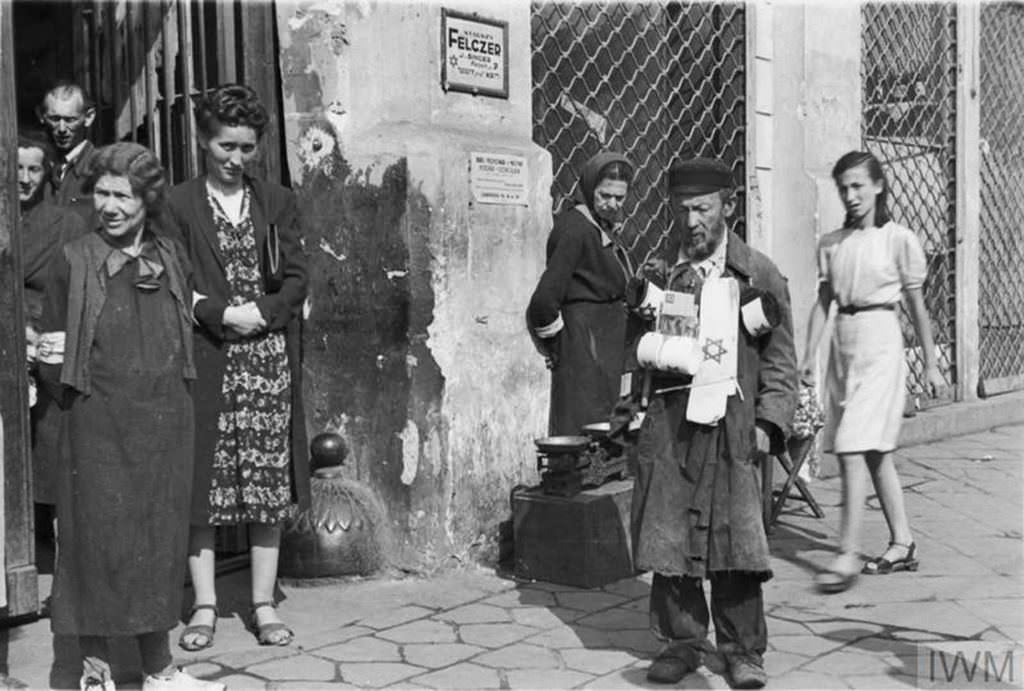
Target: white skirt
[865,395]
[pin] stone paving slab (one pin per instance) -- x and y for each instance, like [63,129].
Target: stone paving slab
[296,668]
[520,656]
[438,655]
[546,679]
[464,675]
[377,675]
[364,649]
[475,614]
[422,631]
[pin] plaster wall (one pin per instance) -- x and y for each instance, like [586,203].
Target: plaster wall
[811,62]
[415,346]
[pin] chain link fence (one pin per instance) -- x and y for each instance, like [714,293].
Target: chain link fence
[1001,290]
[908,68]
[656,81]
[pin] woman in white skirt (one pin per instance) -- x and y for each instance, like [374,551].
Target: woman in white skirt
[866,267]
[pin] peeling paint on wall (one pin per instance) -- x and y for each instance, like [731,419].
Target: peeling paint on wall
[395,246]
[410,453]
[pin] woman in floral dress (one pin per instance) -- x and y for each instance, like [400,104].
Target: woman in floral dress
[242,236]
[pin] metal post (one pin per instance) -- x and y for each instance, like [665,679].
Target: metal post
[168,17]
[968,198]
[129,52]
[110,38]
[18,535]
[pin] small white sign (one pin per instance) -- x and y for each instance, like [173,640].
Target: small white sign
[498,178]
[475,54]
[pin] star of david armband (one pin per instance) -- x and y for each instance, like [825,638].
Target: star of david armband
[644,297]
[759,311]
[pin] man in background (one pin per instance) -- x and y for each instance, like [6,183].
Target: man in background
[67,112]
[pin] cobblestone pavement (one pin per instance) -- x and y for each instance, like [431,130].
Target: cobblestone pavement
[475,630]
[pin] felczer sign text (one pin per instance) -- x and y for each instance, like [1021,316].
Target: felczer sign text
[474,54]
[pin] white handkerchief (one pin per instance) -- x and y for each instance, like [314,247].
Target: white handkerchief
[51,348]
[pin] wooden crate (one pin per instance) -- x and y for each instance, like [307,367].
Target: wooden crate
[582,541]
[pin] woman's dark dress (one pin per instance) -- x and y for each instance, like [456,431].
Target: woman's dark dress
[123,498]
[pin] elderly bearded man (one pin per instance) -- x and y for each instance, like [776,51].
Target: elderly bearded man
[697,496]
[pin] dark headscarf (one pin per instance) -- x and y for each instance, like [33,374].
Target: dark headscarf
[591,175]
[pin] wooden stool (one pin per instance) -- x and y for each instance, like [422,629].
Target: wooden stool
[798,449]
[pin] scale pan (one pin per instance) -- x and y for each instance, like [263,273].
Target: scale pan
[597,429]
[562,444]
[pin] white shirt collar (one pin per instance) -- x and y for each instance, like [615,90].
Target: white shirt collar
[75,153]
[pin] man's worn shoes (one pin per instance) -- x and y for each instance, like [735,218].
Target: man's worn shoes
[746,673]
[669,670]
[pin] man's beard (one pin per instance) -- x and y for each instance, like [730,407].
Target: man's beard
[699,250]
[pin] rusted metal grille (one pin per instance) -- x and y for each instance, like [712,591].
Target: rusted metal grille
[655,81]
[908,64]
[1000,290]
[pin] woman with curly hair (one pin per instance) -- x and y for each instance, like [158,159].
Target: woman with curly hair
[116,353]
[242,236]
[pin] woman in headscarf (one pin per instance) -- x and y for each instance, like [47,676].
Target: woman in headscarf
[116,352]
[576,315]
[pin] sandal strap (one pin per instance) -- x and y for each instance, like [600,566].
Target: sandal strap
[266,633]
[199,608]
[266,603]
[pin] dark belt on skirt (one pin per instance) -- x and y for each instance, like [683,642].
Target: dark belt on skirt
[853,309]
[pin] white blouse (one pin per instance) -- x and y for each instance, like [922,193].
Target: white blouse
[871,266]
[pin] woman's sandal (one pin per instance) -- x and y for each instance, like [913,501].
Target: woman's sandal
[270,634]
[831,581]
[202,633]
[880,566]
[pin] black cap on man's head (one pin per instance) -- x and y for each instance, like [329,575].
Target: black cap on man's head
[699,176]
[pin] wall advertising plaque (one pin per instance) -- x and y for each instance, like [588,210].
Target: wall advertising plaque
[497,178]
[474,54]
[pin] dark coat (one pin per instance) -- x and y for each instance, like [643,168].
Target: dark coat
[583,285]
[68,192]
[697,496]
[190,217]
[45,229]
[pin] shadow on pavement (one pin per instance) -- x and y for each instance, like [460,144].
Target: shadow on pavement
[790,542]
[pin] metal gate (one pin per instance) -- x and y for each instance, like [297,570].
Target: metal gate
[1001,276]
[145,60]
[908,69]
[655,81]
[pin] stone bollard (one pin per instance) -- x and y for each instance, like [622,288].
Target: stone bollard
[339,535]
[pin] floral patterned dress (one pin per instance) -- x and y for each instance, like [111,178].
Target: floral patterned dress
[251,481]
